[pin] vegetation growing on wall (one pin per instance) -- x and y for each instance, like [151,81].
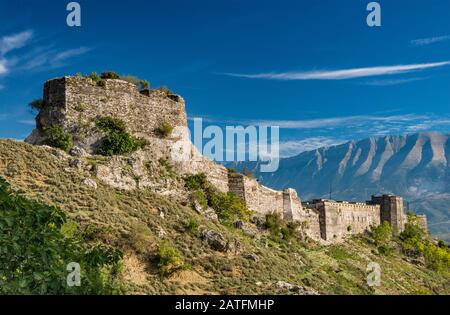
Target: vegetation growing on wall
[164,129]
[37,104]
[117,140]
[110,75]
[228,206]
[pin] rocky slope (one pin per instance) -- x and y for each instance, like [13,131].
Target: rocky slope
[416,167]
[215,259]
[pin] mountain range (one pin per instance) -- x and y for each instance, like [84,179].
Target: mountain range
[415,166]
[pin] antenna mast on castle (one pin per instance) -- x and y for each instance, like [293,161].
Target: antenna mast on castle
[331,189]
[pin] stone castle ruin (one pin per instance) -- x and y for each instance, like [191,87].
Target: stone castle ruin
[75,102]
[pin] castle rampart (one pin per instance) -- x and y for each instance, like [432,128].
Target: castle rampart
[76,102]
[264,201]
[339,219]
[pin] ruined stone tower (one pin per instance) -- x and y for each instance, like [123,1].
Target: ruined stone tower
[392,211]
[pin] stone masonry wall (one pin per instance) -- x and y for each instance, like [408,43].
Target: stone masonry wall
[75,102]
[294,211]
[264,201]
[392,211]
[339,219]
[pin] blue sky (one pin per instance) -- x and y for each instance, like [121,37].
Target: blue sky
[312,67]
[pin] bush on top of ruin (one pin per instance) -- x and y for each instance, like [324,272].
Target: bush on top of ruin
[110,75]
[141,84]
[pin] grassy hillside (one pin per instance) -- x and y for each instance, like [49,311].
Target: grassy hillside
[163,253]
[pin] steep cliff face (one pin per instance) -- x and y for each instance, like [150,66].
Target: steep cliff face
[416,167]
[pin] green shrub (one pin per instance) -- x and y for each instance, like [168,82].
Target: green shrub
[382,234]
[109,75]
[168,168]
[196,182]
[37,242]
[108,124]
[140,84]
[289,231]
[280,229]
[414,242]
[192,226]
[229,207]
[274,224]
[81,107]
[164,129]
[170,259]
[95,77]
[436,257]
[56,137]
[37,104]
[143,84]
[201,197]
[413,231]
[117,141]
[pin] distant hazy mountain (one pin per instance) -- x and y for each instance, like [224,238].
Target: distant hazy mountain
[416,167]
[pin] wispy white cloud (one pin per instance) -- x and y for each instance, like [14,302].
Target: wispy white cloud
[430,40]
[392,82]
[70,53]
[342,74]
[3,68]
[15,41]
[36,58]
[295,147]
[10,43]
[336,121]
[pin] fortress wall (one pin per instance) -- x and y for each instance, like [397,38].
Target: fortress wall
[77,101]
[294,211]
[258,198]
[262,199]
[423,222]
[338,220]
